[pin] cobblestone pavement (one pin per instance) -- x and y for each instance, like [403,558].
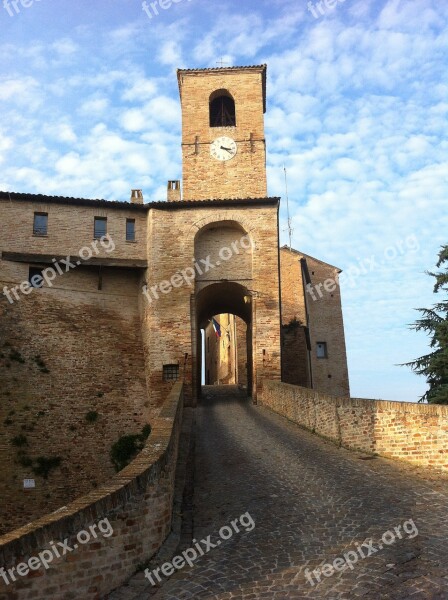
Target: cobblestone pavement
[311,502]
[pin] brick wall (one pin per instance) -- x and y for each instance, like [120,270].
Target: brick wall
[326,324]
[293,301]
[242,358]
[70,227]
[319,310]
[138,504]
[67,351]
[295,356]
[417,433]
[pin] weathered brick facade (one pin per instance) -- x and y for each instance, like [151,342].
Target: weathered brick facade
[138,504]
[66,351]
[312,314]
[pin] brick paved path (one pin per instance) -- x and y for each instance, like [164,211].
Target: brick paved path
[311,502]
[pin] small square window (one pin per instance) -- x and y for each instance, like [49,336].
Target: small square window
[35,277]
[40,224]
[322,351]
[170,372]
[100,227]
[130,230]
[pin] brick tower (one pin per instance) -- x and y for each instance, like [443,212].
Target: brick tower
[223,144]
[224,198]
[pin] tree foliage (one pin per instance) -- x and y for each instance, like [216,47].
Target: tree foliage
[435,322]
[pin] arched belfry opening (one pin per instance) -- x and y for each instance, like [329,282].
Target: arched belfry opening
[223,308]
[222,109]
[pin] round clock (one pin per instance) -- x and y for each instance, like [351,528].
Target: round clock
[223,148]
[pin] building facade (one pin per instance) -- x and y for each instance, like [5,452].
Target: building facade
[105,304]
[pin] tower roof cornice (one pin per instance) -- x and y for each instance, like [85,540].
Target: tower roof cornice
[225,71]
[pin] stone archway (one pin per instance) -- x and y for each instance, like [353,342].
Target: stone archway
[224,252]
[218,298]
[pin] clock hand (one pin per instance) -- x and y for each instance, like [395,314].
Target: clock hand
[228,149]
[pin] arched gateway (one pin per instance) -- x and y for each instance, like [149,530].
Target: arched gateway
[223,229]
[225,249]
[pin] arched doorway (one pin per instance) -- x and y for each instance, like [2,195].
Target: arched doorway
[224,251]
[230,298]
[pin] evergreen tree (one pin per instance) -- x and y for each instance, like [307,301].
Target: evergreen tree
[435,322]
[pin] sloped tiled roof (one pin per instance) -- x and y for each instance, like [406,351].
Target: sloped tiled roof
[322,262]
[163,204]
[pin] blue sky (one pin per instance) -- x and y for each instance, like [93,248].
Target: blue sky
[357,111]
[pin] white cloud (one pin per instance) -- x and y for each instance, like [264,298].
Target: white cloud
[24,92]
[357,110]
[94,106]
[170,53]
[65,46]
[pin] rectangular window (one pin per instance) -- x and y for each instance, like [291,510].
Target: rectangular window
[40,225]
[322,351]
[170,372]
[130,230]
[35,277]
[100,227]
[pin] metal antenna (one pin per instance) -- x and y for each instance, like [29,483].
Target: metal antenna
[290,229]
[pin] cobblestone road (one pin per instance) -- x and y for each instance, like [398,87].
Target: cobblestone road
[311,502]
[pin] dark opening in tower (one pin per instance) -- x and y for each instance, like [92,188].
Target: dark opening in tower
[222,109]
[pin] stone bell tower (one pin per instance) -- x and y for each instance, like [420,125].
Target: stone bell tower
[223,143]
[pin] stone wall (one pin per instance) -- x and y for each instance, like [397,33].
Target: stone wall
[417,433]
[65,352]
[137,502]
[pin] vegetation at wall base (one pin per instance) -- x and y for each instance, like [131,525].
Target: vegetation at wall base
[127,448]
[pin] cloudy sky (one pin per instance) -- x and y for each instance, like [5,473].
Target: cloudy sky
[357,111]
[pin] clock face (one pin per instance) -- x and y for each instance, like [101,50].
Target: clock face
[223,148]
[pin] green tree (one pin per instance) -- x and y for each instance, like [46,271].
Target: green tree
[435,322]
